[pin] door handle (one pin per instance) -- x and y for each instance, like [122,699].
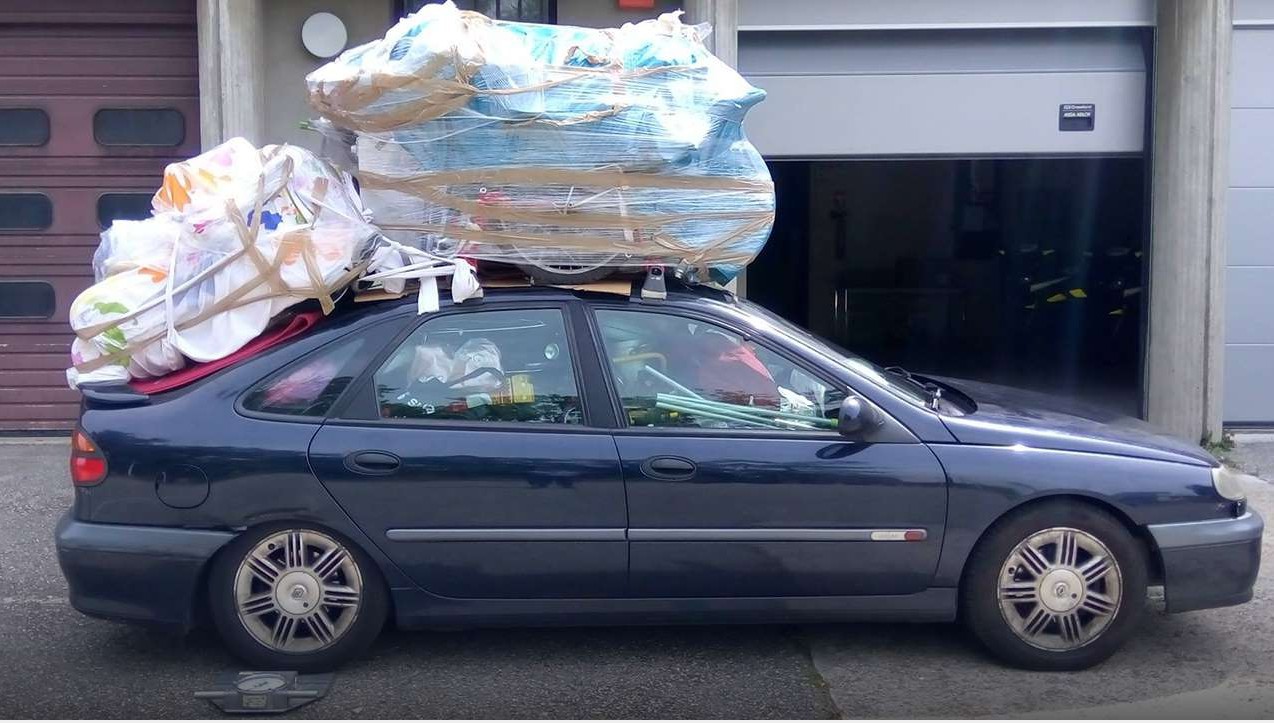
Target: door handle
[668,468]
[372,462]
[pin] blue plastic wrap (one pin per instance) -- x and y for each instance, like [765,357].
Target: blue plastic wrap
[562,147]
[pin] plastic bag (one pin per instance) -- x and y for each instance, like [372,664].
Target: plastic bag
[237,238]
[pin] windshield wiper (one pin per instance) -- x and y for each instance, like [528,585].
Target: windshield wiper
[932,391]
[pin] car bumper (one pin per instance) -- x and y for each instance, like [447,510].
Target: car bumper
[136,573]
[1209,564]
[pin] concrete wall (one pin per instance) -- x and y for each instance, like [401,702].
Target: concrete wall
[287,61]
[606,13]
[1249,328]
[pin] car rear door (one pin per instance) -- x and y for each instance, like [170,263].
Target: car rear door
[722,502]
[467,452]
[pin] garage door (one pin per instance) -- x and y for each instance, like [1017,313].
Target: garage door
[941,78]
[1249,325]
[95,98]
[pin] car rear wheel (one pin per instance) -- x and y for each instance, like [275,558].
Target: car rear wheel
[296,598]
[1059,586]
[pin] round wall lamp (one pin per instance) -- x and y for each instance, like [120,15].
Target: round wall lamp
[323,34]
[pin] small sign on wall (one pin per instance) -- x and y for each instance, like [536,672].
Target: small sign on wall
[1076,116]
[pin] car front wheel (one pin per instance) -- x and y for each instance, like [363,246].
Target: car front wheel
[296,598]
[1059,586]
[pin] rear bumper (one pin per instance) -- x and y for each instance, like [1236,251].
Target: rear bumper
[135,573]
[1209,564]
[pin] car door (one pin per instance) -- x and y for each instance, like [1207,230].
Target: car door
[467,454]
[738,483]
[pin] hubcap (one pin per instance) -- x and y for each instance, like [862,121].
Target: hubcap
[1060,589]
[298,591]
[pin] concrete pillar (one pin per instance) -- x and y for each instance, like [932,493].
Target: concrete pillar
[231,71]
[1188,197]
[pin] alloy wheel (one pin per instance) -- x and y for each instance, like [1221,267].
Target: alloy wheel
[298,591]
[1059,589]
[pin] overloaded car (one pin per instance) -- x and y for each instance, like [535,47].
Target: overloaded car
[546,456]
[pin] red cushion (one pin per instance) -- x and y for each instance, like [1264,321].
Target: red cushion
[298,324]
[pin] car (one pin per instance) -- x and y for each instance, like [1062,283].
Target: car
[551,456]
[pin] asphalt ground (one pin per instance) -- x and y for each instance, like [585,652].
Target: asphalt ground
[56,663]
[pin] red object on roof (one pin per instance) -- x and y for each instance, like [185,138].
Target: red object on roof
[298,324]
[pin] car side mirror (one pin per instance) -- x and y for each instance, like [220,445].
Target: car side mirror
[856,417]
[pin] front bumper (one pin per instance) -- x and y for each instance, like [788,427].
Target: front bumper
[1209,564]
[132,572]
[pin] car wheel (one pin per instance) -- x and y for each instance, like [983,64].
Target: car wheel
[296,598]
[1059,586]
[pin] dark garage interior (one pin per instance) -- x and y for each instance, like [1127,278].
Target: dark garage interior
[1025,271]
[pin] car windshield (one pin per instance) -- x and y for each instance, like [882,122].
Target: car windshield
[901,384]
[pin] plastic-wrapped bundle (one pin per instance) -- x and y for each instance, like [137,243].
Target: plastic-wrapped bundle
[555,146]
[237,236]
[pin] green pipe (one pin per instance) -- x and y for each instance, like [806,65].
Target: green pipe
[773,413]
[721,415]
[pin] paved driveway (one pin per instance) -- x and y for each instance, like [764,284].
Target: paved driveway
[57,663]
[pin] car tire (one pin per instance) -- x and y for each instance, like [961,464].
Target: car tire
[1059,607]
[326,605]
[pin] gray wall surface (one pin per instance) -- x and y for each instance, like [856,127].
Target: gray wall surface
[287,62]
[1249,305]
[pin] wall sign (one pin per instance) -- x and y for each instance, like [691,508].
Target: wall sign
[1076,116]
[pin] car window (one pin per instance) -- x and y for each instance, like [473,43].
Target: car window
[485,366]
[676,371]
[909,390]
[309,386]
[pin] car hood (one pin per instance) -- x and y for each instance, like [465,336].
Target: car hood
[1006,416]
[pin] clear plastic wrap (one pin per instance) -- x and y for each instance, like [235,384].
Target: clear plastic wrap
[560,147]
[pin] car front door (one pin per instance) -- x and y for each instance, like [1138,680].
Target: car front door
[739,484]
[468,456]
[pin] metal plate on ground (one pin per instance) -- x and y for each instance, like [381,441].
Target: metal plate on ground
[265,691]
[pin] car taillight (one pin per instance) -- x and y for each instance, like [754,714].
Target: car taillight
[88,464]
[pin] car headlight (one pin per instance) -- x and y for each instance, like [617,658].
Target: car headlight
[1227,483]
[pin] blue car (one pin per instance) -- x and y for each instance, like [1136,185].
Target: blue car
[552,457]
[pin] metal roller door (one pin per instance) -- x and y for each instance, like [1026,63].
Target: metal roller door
[931,93]
[95,99]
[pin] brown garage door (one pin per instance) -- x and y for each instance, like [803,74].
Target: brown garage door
[95,98]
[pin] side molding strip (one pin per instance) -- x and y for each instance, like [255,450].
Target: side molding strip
[776,535]
[617,534]
[507,534]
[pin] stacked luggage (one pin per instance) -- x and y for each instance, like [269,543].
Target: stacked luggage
[570,152]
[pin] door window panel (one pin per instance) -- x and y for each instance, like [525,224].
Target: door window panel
[139,127]
[487,366]
[25,211]
[112,207]
[27,300]
[23,127]
[675,371]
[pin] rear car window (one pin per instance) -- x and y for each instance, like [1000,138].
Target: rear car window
[483,366]
[309,386]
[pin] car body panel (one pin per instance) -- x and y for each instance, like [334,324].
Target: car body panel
[771,490]
[987,482]
[1007,416]
[499,486]
[1209,563]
